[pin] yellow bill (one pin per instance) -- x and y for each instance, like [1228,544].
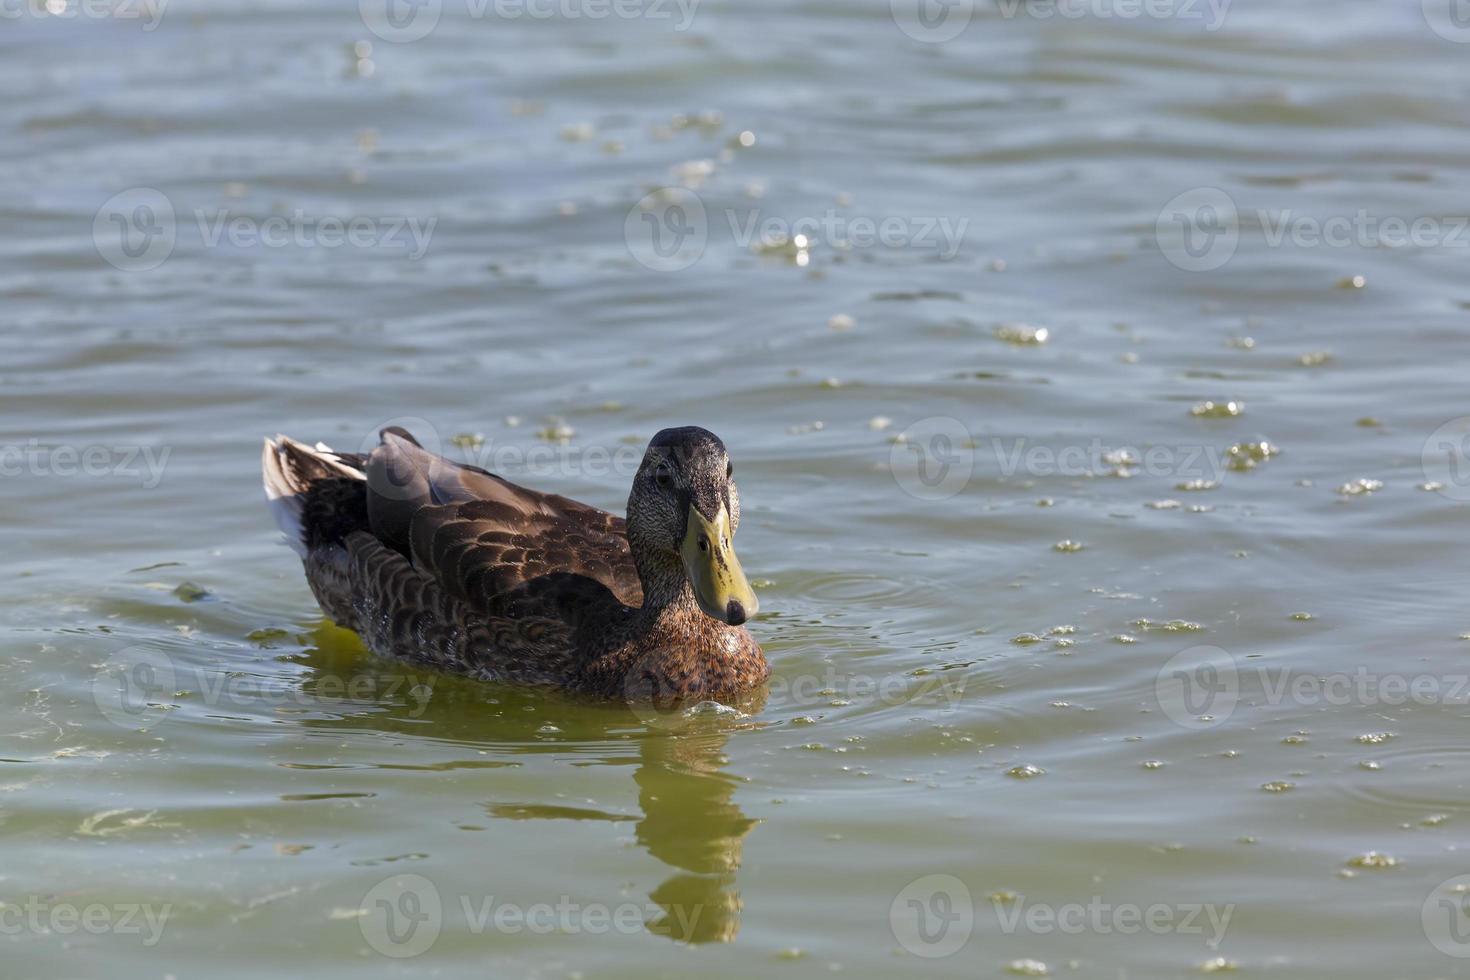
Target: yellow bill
[714,571]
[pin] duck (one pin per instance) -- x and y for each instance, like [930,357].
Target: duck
[448,565]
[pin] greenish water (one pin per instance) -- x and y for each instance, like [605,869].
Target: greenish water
[1235,734]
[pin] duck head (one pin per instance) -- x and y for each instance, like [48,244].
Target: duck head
[682,515]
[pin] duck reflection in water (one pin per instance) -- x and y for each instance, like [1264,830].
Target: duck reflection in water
[690,820]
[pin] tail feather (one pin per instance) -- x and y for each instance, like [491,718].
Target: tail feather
[290,468]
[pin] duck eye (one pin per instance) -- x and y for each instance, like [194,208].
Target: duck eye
[663,475]
[729,470]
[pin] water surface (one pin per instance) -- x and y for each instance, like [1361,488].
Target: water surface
[927,478]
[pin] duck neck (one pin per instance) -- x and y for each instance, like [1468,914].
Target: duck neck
[669,609]
[676,648]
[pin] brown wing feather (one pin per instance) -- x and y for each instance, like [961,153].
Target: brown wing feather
[400,609]
[490,542]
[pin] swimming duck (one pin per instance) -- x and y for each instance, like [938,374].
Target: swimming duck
[450,565]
